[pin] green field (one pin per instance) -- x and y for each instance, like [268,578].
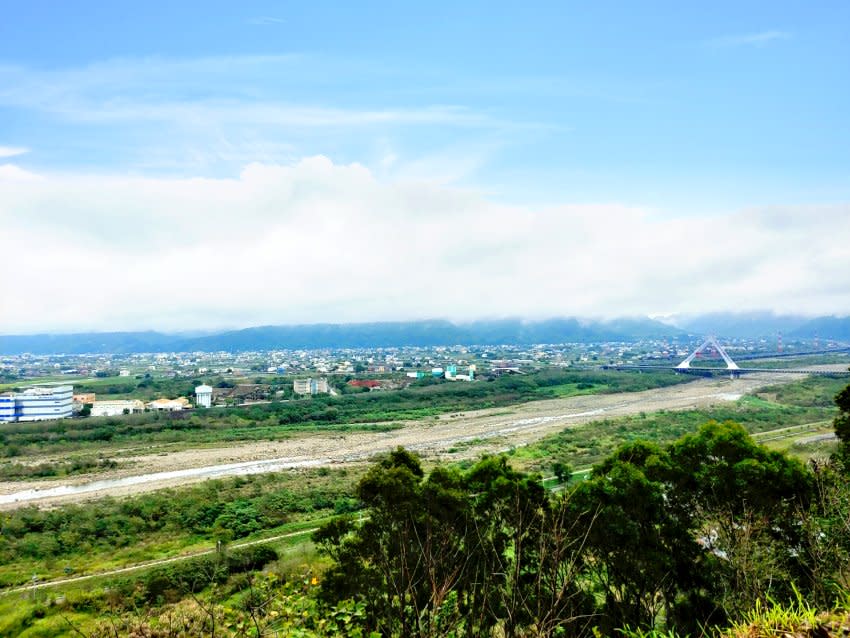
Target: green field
[807,402]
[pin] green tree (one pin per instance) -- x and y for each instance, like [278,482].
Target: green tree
[741,499]
[842,425]
[454,553]
[562,471]
[642,556]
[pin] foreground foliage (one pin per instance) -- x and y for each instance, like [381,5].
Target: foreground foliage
[682,537]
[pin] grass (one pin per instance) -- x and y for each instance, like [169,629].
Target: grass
[108,534]
[68,609]
[577,389]
[806,404]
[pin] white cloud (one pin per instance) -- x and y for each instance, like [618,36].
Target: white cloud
[319,241]
[12,151]
[759,39]
[10,172]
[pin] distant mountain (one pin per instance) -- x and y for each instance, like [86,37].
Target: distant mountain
[88,342]
[836,328]
[744,325]
[355,335]
[431,333]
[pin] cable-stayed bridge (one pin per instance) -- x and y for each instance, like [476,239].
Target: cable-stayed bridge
[732,368]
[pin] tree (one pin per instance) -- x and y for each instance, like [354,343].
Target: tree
[376,561]
[454,552]
[641,555]
[825,545]
[741,499]
[842,425]
[562,471]
[721,466]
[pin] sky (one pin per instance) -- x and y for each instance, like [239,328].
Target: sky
[207,165]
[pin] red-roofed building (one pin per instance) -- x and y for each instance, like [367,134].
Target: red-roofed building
[365,383]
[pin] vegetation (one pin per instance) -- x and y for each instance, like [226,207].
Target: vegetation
[654,537]
[13,471]
[801,403]
[111,532]
[706,534]
[280,419]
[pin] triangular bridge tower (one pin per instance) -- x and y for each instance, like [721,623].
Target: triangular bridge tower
[711,341]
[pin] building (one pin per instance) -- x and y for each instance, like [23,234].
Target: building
[168,405]
[7,408]
[81,400]
[365,383]
[203,396]
[85,397]
[301,386]
[241,393]
[116,407]
[37,404]
[311,386]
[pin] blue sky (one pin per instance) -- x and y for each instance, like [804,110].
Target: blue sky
[741,102]
[687,110]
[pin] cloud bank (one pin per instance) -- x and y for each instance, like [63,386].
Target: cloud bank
[319,241]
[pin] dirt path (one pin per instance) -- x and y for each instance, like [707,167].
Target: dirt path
[448,436]
[151,563]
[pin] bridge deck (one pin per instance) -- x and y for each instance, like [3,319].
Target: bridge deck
[821,371]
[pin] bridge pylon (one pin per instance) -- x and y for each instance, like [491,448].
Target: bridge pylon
[710,341]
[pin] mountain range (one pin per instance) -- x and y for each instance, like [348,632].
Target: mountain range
[433,333]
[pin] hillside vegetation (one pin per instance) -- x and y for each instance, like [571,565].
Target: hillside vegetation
[709,534]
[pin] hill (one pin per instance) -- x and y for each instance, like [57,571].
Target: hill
[352,335]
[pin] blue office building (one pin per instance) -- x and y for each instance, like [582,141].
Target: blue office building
[38,404]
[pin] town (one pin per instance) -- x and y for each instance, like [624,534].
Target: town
[41,387]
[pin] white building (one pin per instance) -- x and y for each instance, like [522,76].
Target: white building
[168,405]
[310,386]
[38,404]
[116,407]
[301,386]
[203,396]
[7,408]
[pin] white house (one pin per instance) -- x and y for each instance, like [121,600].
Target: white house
[168,405]
[116,407]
